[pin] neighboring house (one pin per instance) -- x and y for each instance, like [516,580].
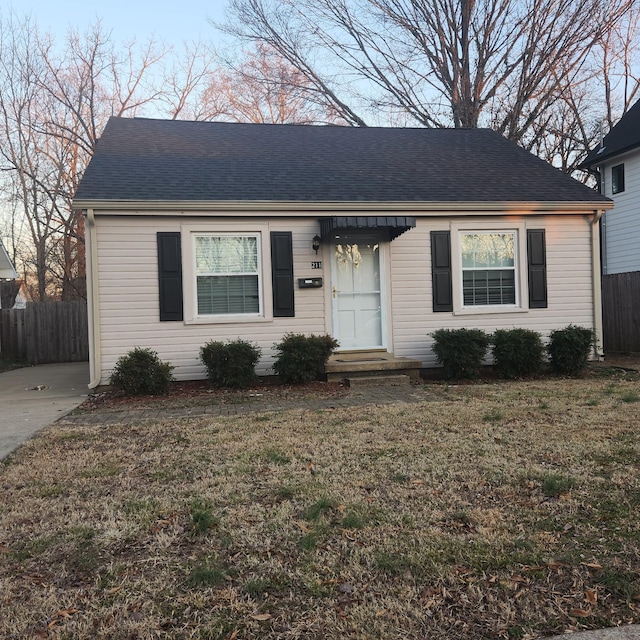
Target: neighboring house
[13,294]
[206,230]
[616,161]
[7,270]
[7,279]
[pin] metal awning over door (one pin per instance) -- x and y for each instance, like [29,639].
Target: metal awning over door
[393,225]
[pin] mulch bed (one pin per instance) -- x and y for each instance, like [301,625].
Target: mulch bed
[200,392]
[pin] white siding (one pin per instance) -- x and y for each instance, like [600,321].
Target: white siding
[621,225]
[569,285]
[128,296]
[128,289]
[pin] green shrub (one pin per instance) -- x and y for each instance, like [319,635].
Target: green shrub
[517,352]
[460,351]
[231,364]
[141,372]
[303,358]
[569,349]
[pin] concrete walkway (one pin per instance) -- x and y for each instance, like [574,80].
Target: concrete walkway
[631,632]
[33,397]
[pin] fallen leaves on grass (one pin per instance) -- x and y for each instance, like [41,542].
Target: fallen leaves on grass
[59,618]
[404,521]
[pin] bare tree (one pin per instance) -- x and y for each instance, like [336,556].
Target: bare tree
[567,131]
[54,103]
[541,72]
[93,79]
[56,97]
[263,87]
[187,81]
[32,177]
[588,107]
[617,65]
[460,63]
[90,80]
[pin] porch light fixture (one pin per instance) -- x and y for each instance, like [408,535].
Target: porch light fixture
[316,243]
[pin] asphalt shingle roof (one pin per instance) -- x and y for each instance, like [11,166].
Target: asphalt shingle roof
[168,160]
[623,137]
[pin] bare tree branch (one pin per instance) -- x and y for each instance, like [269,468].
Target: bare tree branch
[461,63]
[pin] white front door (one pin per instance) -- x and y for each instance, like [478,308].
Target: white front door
[357,292]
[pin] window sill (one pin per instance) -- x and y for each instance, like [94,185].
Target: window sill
[227,320]
[477,311]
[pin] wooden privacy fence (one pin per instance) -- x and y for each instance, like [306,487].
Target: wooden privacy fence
[45,332]
[621,312]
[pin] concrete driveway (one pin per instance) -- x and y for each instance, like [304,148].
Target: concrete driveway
[33,397]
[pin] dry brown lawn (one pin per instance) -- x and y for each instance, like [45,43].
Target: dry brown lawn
[504,510]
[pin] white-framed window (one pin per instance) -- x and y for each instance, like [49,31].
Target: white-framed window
[228,274]
[488,268]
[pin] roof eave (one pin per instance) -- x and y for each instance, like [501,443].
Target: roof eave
[605,157]
[189,207]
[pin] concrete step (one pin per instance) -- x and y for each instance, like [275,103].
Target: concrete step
[381,380]
[370,363]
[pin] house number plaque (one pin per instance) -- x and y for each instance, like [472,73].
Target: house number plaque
[316,265]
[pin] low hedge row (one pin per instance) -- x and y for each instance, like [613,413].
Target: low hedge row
[516,353]
[229,364]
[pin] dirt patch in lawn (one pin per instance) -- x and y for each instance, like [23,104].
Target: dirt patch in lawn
[489,511]
[201,393]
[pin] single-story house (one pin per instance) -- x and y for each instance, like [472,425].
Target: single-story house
[378,236]
[616,162]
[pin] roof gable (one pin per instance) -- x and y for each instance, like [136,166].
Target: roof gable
[623,137]
[7,270]
[145,160]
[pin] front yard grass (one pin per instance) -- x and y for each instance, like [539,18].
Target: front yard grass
[505,510]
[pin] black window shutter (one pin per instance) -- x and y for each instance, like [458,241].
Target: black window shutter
[537,263]
[170,276]
[282,274]
[441,271]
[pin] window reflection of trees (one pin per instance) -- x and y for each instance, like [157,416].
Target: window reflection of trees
[349,254]
[226,254]
[487,250]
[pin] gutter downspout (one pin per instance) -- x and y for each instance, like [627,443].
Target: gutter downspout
[92,302]
[597,283]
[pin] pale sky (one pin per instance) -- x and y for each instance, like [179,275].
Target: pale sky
[174,22]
